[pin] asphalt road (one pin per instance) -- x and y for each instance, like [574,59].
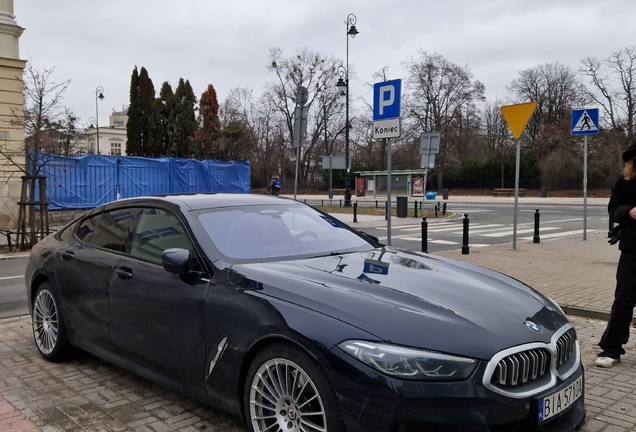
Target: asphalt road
[491,224]
[12,293]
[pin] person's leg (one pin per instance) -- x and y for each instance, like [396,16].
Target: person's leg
[617,332]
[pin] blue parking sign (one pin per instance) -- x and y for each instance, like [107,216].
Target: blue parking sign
[386,99]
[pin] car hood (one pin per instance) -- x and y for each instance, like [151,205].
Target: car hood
[411,299]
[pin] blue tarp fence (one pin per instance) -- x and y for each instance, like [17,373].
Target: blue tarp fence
[88,181]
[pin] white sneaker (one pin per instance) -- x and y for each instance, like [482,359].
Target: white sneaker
[605,362]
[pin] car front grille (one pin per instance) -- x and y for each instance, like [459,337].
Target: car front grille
[529,369]
[519,368]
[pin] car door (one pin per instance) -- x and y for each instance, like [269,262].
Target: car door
[83,268]
[157,318]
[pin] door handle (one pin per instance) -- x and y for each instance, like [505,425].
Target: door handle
[68,255]
[124,273]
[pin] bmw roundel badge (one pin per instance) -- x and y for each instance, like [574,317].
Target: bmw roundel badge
[533,326]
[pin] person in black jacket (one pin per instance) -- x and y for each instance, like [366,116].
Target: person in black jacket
[622,210]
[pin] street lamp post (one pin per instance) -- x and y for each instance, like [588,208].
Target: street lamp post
[344,72]
[99,95]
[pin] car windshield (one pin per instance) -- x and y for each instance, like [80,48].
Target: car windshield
[277,231]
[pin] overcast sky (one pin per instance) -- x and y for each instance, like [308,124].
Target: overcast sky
[226,42]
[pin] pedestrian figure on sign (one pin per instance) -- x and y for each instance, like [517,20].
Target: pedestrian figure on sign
[274,185]
[622,210]
[586,122]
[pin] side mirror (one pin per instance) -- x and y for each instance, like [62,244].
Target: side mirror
[176,261]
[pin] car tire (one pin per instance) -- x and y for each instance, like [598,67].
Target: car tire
[49,331]
[287,388]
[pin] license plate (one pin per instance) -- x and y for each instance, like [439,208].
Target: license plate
[557,402]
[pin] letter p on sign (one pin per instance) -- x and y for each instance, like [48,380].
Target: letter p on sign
[386,99]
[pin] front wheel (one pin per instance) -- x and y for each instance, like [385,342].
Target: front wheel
[48,326]
[287,391]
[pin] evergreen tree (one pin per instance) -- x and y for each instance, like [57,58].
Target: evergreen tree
[160,137]
[208,123]
[182,124]
[146,113]
[133,125]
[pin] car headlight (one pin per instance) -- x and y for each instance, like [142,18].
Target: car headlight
[407,363]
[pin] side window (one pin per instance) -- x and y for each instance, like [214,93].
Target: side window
[114,230]
[157,231]
[86,228]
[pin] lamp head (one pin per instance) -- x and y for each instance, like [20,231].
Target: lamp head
[341,83]
[353,31]
[101,96]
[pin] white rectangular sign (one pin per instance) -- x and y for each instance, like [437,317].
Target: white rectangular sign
[386,128]
[429,143]
[334,162]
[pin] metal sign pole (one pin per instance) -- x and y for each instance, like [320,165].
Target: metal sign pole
[330,181]
[388,191]
[514,228]
[585,188]
[297,157]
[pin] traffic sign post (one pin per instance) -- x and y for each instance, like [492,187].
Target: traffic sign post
[429,147]
[585,122]
[517,117]
[386,124]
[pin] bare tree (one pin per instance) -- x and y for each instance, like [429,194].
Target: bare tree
[42,116]
[318,74]
[554,87]
[253,128]
[614,87]
[496,134]
[442,96]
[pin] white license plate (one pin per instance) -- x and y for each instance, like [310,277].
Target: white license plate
[559,401]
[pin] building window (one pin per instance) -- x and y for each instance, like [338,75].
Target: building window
[118,122]
[115,149]
[91,146]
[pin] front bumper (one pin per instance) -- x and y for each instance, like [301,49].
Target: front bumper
[370,401]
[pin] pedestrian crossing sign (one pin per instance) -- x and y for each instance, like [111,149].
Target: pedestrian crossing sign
[585,121]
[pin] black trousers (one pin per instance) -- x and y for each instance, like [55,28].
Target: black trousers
[617,332]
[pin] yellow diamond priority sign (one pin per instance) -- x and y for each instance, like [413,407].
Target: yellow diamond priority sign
[517,116]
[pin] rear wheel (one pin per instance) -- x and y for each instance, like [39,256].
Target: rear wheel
[48,326]
[287,391]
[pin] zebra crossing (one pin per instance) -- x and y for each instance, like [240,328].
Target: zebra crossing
[451,232]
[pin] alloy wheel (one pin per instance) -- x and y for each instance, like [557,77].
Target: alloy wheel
[283,398]
[45,321]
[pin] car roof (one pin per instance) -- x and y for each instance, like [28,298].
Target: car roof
[200,201]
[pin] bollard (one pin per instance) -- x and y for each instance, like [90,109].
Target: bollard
[536,238]
[305,201]
[340,202]
[386,210]
[444,211]
[376,203]
[435,210]
[9,241]
[355,211]
[424,235]
[611,227]
[415,208]
[465,241]
[421,202]
[322,203]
